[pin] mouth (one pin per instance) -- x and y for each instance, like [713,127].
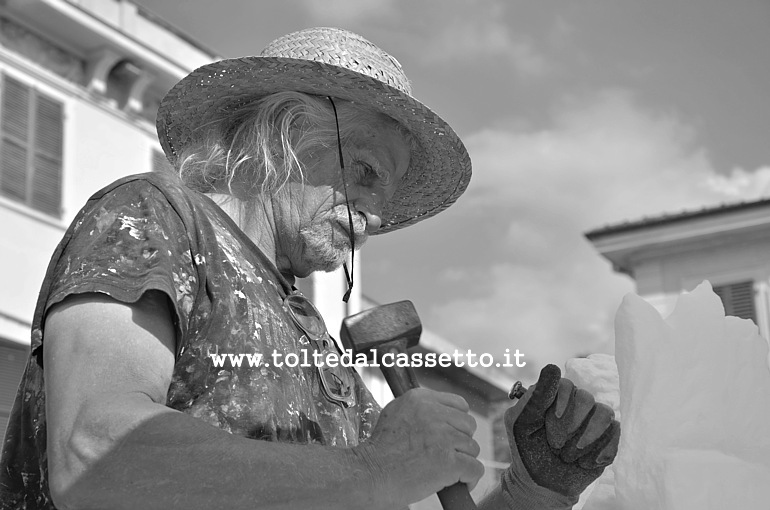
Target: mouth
[359,228]
[359,232]
[359,221]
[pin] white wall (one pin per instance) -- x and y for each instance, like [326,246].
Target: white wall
[101,144]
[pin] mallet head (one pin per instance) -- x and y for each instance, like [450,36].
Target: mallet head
[381,326]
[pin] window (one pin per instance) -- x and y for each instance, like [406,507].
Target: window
[738,299]
[31,139]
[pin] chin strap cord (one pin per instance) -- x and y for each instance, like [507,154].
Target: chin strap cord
[351,232]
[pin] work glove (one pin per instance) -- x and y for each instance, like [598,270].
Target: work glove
[561,440]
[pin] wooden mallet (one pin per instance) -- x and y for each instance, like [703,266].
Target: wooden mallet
[391,329]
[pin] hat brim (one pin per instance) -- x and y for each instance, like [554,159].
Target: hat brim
[439,169]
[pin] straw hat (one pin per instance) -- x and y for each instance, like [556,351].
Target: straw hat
[337,63]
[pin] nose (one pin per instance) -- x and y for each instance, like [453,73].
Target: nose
[371,206]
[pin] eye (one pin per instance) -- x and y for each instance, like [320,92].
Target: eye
[367,175]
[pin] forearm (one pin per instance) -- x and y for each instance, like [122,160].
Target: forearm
[172,460]
[113,444]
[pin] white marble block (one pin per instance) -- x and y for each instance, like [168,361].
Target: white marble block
[695,406]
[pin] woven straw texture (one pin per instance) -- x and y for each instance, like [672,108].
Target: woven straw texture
[337,63]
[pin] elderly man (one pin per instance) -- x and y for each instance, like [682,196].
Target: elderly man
[286,163]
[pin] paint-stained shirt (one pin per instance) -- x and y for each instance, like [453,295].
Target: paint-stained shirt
[150,232]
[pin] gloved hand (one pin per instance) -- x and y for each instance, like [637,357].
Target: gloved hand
[561,440]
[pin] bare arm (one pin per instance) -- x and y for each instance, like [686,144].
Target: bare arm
[114,444]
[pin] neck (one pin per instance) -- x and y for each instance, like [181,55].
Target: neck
[258,225]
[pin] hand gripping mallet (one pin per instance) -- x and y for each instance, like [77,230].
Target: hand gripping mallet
[391,329]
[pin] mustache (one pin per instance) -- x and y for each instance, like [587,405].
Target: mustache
[359,220]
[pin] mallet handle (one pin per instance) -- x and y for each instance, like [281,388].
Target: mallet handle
[456,497]
[401,380]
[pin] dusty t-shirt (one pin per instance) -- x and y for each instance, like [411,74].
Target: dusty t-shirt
[149,232]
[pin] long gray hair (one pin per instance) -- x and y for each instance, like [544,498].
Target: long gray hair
[258,150]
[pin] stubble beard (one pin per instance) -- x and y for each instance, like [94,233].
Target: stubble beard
[327,247]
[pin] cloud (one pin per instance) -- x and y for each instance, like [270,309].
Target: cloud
[741,184]
[440,31]
[343,12]
[487,39]
[549,314]
[602,159]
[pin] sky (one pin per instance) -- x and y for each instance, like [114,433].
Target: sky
[576,115]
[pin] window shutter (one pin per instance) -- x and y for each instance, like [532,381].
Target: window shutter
[15,139]
[46,175]
[738,299]
[32,129]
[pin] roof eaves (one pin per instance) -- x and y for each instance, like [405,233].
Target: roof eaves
[669,218]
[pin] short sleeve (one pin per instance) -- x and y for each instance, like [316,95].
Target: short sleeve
[124,243]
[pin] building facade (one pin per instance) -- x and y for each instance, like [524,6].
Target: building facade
[727,245]
[80,82]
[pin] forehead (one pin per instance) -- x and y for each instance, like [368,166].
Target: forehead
[382,137]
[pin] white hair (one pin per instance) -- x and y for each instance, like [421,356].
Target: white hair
[258,149]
